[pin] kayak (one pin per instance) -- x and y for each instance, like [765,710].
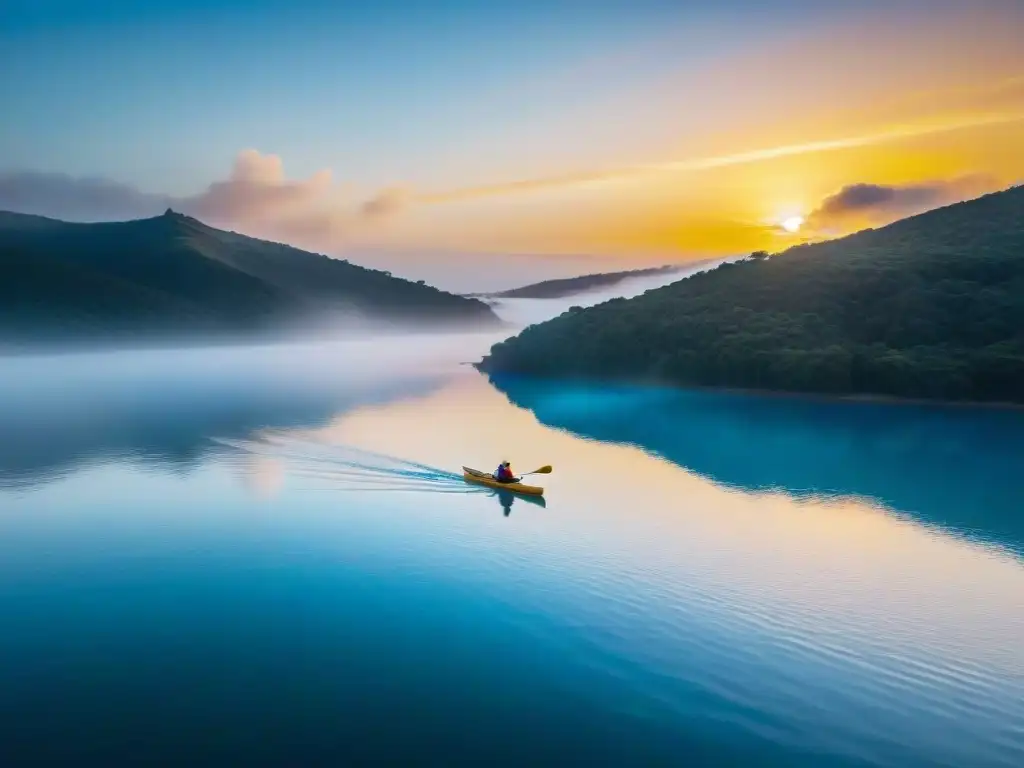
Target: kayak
[486,478]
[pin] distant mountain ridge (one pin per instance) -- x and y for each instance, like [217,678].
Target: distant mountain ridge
[931,306]
[173,275]
[568,286]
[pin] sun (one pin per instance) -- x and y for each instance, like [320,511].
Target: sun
[793,223]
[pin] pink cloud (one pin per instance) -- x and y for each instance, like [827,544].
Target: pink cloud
[257,197]
[258,188]
[387,202]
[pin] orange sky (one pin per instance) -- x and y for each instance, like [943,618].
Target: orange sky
[763,138]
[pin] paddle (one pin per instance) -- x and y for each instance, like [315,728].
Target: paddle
[546,470]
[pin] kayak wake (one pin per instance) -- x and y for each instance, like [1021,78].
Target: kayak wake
[346,468]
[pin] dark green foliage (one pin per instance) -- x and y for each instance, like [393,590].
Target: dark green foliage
[929,307]
[172,274]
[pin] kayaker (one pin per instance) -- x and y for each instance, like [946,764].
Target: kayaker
[504,473]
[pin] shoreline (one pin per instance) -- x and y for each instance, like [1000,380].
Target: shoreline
[862,398]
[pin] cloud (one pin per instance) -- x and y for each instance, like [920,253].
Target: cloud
[257,188]
[882,203]
[388,202]
[257,197]
[79,199]
[857,198]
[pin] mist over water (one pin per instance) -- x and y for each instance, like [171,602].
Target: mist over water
[523,312]
[265,554]
[166,405]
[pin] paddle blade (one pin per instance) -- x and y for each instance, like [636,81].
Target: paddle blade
[542,471]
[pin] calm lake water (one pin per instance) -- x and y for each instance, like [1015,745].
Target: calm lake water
[266,556]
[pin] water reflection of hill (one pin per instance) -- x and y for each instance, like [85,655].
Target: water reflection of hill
[954,467]
[52,427]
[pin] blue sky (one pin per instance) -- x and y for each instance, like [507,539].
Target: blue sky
[164,94]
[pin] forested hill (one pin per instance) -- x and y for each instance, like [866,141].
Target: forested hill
[928,307]
[567,286]
[172,275]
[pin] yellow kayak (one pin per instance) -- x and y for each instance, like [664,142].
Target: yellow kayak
[486,478]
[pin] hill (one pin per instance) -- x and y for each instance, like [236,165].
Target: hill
[567,286]
[173,275]
[928,307]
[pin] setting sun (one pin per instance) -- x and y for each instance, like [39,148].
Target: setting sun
[793,223]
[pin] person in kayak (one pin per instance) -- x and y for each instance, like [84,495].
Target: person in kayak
[504,473]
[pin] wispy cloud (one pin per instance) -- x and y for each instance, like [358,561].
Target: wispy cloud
[611,175]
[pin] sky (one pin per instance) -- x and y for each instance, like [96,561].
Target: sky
[529,137]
